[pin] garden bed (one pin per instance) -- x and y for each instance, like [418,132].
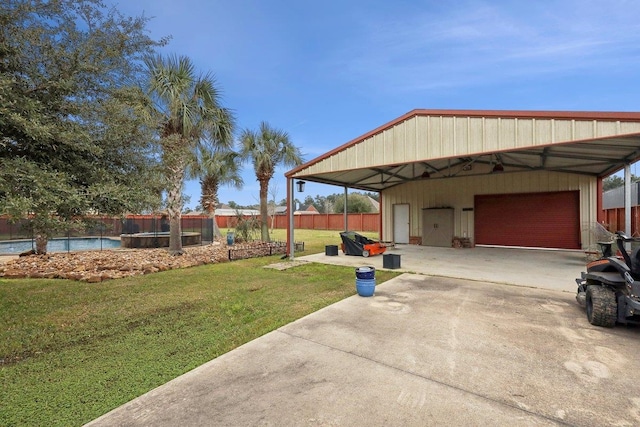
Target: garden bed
[96,266]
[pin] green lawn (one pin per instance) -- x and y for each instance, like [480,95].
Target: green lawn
[71,351]
[315,240]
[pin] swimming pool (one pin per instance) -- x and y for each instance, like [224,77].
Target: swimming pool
[14,247]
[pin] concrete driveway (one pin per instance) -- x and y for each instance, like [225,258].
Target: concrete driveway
[549,269]
[424,350]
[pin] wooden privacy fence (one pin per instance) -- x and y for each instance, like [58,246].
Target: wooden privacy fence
[357,221]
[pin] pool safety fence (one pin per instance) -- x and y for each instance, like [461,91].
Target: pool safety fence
[110,227]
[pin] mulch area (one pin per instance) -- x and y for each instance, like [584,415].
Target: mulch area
[96,266]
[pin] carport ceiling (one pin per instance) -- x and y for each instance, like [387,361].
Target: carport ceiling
[595,157]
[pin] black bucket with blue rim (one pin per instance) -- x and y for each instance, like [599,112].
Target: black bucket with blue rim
[366,273]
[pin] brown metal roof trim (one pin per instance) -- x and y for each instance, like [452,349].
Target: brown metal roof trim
[507,114]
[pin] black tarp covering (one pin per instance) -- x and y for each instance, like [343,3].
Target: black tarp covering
[354,242]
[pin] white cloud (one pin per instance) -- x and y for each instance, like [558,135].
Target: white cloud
[488,42]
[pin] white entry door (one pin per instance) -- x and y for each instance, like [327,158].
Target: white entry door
[401,223]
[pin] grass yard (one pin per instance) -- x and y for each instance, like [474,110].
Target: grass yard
[315,240]
[72,351]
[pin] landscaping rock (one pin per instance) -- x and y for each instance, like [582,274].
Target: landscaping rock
[14,274]
[97,266]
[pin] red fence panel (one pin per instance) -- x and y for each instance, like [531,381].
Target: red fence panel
[320,222]
[371,223]
[356,221]
[614,220]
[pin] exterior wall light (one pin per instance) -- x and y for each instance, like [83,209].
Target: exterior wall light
[498,167]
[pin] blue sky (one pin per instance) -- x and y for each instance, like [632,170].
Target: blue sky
[327,72]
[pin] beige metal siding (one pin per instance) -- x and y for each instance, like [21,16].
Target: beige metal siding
[458,193]
[525,134]
[410,139]
[432,137]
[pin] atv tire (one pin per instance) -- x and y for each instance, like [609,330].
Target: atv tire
[602,307]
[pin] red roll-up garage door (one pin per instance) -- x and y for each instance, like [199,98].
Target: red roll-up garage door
[543,220]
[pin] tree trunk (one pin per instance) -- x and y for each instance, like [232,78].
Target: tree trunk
[209,200]
[174,208]
[264,211]
[273,218]
[41,242]
[217,234]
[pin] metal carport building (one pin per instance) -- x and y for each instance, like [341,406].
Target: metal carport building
[506,178]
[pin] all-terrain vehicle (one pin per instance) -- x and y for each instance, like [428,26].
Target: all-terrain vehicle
[610,288]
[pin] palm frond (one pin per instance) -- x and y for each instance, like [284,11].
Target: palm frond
[267,148]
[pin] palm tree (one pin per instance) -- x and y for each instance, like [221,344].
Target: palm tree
[268,148]
[188,112]
[215,168]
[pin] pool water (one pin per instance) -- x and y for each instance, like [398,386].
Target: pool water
[15,247]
